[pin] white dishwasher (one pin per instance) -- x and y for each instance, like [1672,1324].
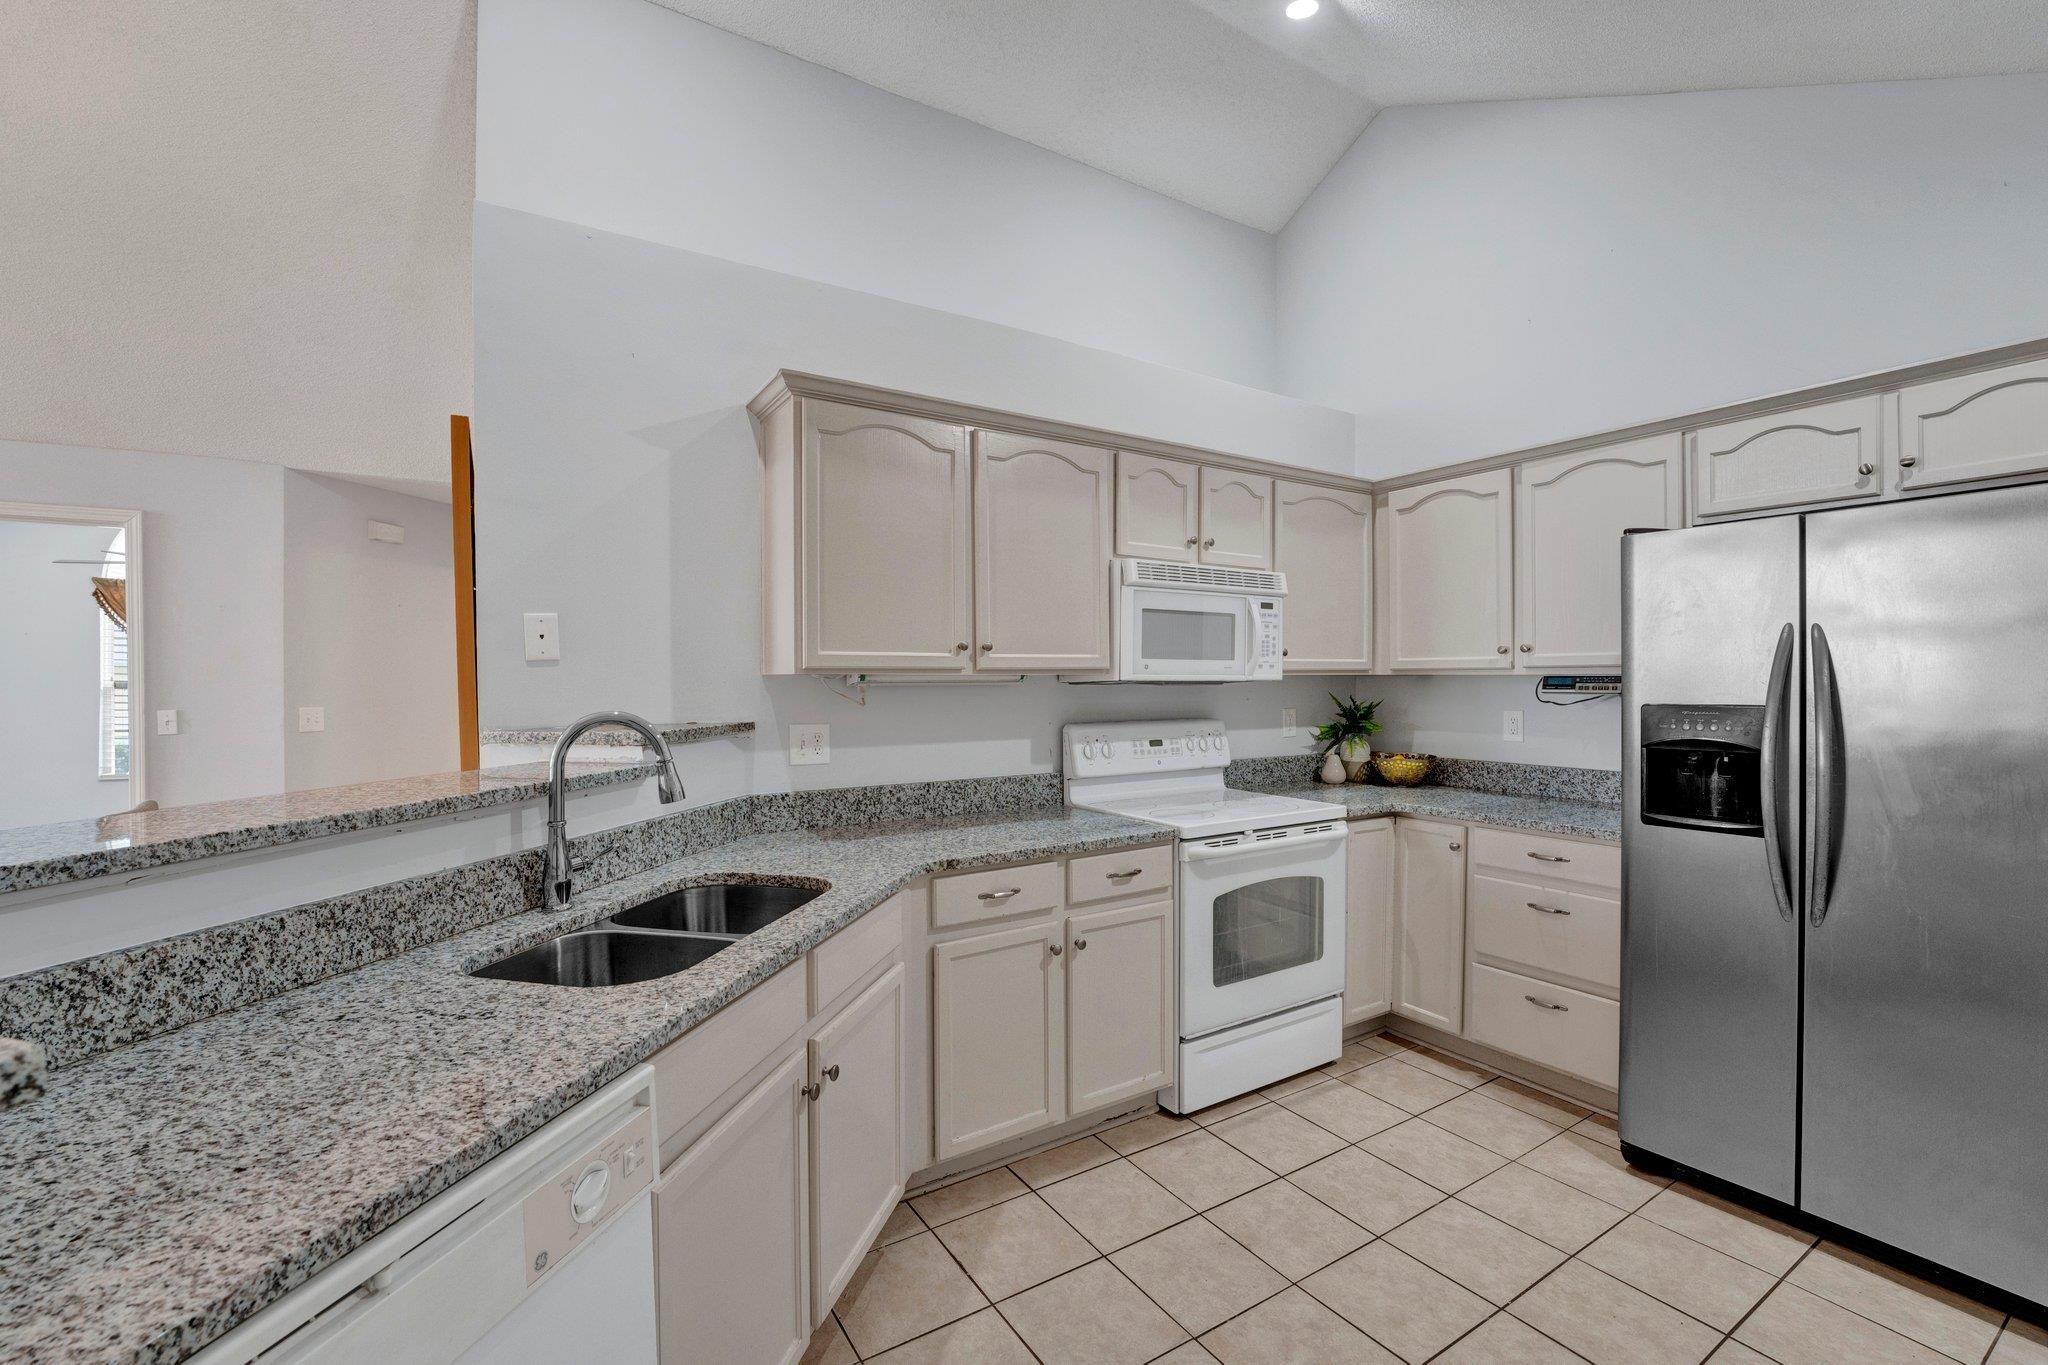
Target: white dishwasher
[544,1255]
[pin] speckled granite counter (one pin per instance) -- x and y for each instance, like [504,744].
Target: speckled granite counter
[1542,814]
[159,1194]
[73,850]
[676,732]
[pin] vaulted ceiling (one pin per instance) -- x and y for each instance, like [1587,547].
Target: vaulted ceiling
[1230,106]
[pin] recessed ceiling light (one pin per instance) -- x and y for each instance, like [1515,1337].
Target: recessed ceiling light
[1302,9]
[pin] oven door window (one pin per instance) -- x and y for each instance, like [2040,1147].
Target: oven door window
[1184,635]
[1267,927]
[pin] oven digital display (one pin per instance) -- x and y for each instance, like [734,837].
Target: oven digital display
[1155,743]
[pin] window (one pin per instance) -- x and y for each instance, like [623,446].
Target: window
[114,719]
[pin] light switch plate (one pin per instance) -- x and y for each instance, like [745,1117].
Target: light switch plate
[387,532]
[1511,726]
[311,719]
[167,722]
[543,637]
[1287,724]
[810,744]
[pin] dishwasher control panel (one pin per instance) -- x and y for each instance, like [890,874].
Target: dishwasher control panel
[585,1190]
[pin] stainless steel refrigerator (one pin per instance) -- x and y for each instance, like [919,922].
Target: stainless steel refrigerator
[1835,869]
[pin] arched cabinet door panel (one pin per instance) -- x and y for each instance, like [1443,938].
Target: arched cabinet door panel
[1988,425]
[1825,453]
[1237,519]
[1042,538]
[1450,568]
[1322,541]
[1158,504]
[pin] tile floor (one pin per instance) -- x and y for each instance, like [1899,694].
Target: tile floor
[1397,1205]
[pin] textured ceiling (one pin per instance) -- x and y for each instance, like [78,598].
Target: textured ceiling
[1230,106]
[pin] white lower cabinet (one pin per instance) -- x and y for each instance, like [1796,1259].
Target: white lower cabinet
[1371,882]
[1567,1030]
[1429,966]
[856,1133]
[998,1060]
[1119,1004]
[732,1232]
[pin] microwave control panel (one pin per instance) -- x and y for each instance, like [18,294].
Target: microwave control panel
[1116,749]
[1266,653]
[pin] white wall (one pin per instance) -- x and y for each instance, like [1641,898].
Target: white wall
[50,675]
[369,634]
[1460,717]
[1483,277]
[627,117]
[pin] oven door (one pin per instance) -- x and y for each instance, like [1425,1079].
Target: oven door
[1173,636]
[1262,925]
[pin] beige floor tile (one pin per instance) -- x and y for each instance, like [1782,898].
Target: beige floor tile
[1293,1329]
[971,1195]
[1600,1128]
[1794,1327]
[1201,1169]
[1091,1316]
[2021,1343]
[1354,1056]
[1933,1316]
[1748,1236]
[1348,1112]
[1216,1113]
[1287,1229]
[1455,1069]
[1530,1100]
[1198,1275]
[1546,1209]
[1402,1085]
[1058,1163]
[1115,1205]
[902,1291]
[1713,1287]
[1610,1323]
[1187,1353]
[829,1345]
[1386,1043]
[903,1222]
[1148,1131]
[1014,1245]
[1595,1169]
[1483,1254]
[1506,1340]
[1733,1352]
[1429,1153]
[1278,1138]
[1293,1083]
[1478,1117]
[980,1339]
[1365,1189]
[1398,1301]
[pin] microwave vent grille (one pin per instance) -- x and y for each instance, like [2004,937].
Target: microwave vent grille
[1160,573]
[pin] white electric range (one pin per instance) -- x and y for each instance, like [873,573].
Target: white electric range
[1260,890]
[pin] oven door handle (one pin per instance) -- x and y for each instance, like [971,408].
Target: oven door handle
[1197,851]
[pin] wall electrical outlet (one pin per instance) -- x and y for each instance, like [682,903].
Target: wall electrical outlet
[1287,726]
[543,637]
[167,722]
[311,719]
[1511,726]
[387,532]
[810,744]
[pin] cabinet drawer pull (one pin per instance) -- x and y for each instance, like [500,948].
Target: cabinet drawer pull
[1000,895]
[1123,876]
[1545,1004]
[1547,909]
[1079,944]
[1056,949]
[1550,858]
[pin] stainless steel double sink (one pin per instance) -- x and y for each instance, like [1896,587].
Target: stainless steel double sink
[655,938]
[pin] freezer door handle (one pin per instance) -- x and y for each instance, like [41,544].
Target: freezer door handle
[1829,781]
[1773,772]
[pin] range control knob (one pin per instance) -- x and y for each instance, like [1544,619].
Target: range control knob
[592,1187]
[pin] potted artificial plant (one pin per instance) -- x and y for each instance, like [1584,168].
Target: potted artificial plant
[1348,738]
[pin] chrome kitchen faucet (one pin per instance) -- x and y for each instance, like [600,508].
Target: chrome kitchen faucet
[559,868]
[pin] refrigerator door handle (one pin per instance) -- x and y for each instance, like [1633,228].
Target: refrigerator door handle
[1828,777]
[1772,772]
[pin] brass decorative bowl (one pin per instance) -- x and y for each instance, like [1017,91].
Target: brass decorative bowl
[1404,770]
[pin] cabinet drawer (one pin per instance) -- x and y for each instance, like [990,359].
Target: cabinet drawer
[1126,872]
[842,960]
[697,1068]
[1536,855]
[1546,929]
[1555,1026]
[974,896]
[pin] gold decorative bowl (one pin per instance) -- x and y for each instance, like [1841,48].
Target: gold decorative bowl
[1404,770]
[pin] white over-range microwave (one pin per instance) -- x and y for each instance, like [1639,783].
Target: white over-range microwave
[1197,622]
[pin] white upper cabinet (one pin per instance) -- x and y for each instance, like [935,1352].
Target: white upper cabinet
[1237,519]
[1826,453]
[1987,425]
[885,541]
[1570,512]
[1158,508]
[1450,569]
[1322,541]
[1042,540]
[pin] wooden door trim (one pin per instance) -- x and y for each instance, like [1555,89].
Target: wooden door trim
[462,490]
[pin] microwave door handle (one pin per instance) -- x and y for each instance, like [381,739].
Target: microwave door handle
[1774,773]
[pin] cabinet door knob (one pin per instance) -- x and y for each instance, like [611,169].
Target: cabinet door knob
[1908,461]
[1057,950]
[1194,540]
[960,648]
[987,649]
[831,1073]
[1527,648]
[1209,544]
[1500,649]
[1866,468]
[1456,847]
[1079,944]
[811,1092]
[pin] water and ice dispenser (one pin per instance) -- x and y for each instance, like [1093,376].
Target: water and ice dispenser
[1702,768]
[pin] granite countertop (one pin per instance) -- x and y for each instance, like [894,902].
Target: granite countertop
[1542,814]
[675,732]
[73,850]
[158,1195]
